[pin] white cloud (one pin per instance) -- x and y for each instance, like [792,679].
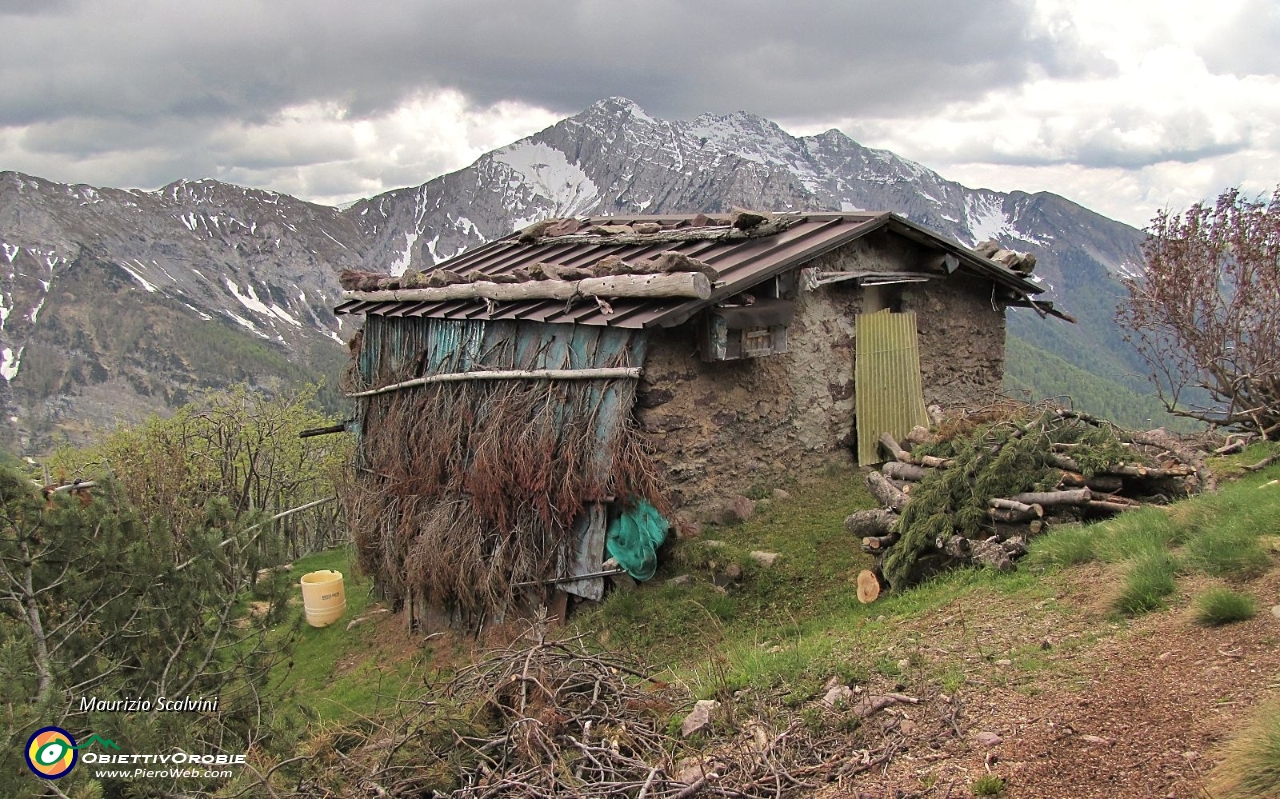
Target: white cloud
[315,151]
[1153,126]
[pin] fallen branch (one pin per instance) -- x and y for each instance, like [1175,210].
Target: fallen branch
[1021,509]
[1129,470]
[876,522]
[1104,483]
[891,444]
[1111,506]
[875,544]
[874,704]
[868,587]
[1264,463]
[904,471]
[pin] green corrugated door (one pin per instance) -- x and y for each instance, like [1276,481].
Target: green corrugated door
[886,380]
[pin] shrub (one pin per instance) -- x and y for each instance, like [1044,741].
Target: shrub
[1219,606]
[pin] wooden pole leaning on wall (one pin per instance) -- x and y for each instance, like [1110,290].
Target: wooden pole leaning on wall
[603,373]
[693,285]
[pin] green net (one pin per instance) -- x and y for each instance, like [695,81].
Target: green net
[634,538]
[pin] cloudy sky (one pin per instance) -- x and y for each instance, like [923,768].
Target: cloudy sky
[1126,106]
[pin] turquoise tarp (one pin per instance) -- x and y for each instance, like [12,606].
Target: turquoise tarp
[634,538]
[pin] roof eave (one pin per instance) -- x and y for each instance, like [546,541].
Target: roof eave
[682,314]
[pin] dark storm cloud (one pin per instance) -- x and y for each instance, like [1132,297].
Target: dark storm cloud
[145,61]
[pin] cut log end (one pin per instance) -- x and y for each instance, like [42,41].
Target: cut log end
[868,587]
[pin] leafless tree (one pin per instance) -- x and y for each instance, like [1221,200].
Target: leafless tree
[1205,312]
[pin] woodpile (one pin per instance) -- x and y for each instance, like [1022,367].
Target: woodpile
[980,495]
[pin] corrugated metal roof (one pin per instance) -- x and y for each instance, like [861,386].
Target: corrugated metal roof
[742,263]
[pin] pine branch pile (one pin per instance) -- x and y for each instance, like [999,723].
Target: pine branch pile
[979,486]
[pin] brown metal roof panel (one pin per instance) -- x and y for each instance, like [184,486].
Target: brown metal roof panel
[741,263]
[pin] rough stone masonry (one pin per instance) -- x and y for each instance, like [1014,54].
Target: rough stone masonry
[735,427]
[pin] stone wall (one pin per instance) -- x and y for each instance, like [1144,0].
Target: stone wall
[738,427]
[961,331]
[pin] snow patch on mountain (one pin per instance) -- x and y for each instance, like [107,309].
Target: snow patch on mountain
[251,301]
[9,363]
[240,320]
[145,284]
[986,218]
[548,172]
[401,264]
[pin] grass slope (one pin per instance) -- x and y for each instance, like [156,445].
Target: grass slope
[337,673]
[788,630]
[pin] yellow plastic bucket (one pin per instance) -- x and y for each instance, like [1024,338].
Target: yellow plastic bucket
[323,598]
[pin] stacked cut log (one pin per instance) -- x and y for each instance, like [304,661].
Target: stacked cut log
[1013,520]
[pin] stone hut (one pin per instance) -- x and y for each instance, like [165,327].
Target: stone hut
[741,351]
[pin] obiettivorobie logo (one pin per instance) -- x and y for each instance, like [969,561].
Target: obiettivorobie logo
[52,752]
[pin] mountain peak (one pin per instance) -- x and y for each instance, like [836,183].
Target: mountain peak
[621,106]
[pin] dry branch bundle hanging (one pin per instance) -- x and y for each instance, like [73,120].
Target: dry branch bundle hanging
[463,489]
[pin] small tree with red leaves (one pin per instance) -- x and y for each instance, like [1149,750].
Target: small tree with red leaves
[1205,312]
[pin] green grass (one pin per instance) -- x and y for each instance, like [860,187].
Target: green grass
[1225,534]
[331,674]
[1138,534]
[1219,606]
[812,577]
[789,628]
[1232,466]
[988,785]
[1070,546]
[785,631]
[1251,767]
[1231,552]
[1148,584]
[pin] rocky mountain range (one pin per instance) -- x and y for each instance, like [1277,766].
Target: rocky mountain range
[118,303]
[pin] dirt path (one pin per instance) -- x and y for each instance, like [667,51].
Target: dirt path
[1140,713]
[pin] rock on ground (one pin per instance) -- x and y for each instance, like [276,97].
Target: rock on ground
[699,719]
